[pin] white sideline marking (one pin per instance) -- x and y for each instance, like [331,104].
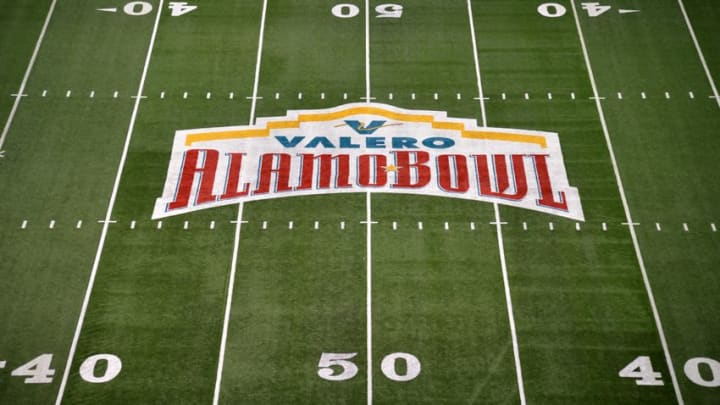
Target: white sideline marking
[691,94]
[551,226]
[52,224]
[132,224]
[264,225]
[643,95]
[115,94]
[44,93]
[498,226]
[420,226]
[685,227]
[108,214]
[658,227]
[713,227]
[24,224]
[238,225]
[626,207]
[68,94]
[185,225]
[79,223]
[159,225]
[524,226]
[577,226]
[619,96]
[31,63]
[212,225]
[699,52]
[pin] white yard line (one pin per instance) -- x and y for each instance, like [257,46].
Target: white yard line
[699,52]
[368,220]
[498,225]
[626,207]
[31,64]
[108,214]
[239,222]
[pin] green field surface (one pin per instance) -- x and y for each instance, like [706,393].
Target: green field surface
[414,299]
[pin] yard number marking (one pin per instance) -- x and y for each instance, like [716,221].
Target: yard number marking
[39,370]
[348,369]
[87,368]
[594,9]
[347,10]
[139,8]
[692,371]
[178,8]
[642,371]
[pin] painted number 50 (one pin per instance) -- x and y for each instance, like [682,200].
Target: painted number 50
[338,367]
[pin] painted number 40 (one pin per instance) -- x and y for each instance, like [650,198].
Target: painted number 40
[138,8]
[642,371]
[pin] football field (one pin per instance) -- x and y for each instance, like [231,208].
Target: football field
[349,284]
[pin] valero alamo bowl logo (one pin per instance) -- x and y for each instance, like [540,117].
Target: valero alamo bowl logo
[367,147]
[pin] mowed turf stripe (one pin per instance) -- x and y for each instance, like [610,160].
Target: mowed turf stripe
[574,337]
[300,291]
[437,295]
[60,171]
[667,154]
[159,296]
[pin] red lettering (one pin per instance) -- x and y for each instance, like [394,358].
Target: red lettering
[501,176]
[405,169]
[187,178]
[269,169]
[447,175]
[547,196]
[233,178]
[342,178]
[375,177]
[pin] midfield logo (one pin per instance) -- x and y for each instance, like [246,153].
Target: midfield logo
[367,147]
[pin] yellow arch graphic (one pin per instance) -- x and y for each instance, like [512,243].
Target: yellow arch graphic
[336,115]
